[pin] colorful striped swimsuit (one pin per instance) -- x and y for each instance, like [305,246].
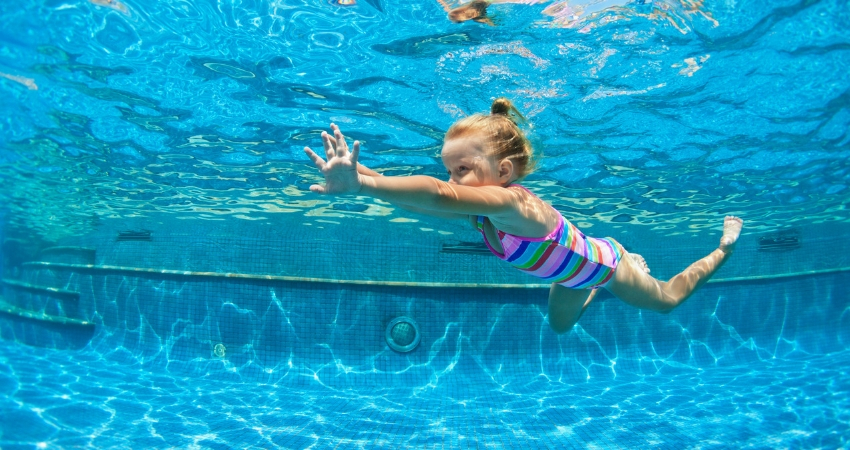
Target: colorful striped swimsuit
[567,258]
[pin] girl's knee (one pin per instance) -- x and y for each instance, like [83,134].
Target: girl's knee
[668,304]
[562,321]
[665,309]
[560,327]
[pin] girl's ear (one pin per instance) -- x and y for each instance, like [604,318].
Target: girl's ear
[506,170]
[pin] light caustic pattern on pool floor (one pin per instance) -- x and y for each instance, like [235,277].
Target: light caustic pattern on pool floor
[780,403]
[310,370]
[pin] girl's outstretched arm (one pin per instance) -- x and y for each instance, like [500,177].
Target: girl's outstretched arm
[430,194]
[363,170]
[426,193]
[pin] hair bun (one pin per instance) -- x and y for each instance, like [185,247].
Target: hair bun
[503,106]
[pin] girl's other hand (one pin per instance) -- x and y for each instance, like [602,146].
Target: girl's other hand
[340,169]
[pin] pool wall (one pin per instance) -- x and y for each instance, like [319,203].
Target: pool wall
[304,327]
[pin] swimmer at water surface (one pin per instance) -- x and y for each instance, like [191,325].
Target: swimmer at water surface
[485,156]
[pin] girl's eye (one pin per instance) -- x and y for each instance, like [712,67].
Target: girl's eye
[462,169]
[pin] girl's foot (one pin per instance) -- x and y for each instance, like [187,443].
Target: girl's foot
[731,230]
[637,259]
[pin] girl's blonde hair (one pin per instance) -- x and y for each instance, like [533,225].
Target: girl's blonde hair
[500,129]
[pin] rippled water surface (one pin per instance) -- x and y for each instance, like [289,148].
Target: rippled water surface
[653,112]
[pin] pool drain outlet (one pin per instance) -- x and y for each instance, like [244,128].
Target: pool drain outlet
[402,334]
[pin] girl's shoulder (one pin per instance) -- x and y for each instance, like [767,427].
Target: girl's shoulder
[533,217]
[522,190]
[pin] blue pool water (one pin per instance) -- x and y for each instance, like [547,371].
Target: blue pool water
[168,280]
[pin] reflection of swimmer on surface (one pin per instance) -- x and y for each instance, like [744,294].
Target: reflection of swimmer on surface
[28,82]
[114,4]
[476,10]
[584,15]
[485,157]
[576,13]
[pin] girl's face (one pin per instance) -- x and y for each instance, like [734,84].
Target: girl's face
[469,163]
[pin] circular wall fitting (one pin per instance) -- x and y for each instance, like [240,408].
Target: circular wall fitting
[402,334]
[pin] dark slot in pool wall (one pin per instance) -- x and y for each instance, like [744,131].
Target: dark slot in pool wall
[469,248]
[133,235]
[780,242]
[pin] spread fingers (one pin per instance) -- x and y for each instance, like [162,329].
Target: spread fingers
[317,160]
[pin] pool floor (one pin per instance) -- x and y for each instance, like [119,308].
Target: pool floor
[65,399]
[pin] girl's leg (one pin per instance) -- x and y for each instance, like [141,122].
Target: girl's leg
[567,305]
[635,286]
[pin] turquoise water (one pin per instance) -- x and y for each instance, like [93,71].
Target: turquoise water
[186,121]
[202,109]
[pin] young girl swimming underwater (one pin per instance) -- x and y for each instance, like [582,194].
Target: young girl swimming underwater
[485,155]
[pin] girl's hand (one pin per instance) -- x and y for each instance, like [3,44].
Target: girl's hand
[340,170]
